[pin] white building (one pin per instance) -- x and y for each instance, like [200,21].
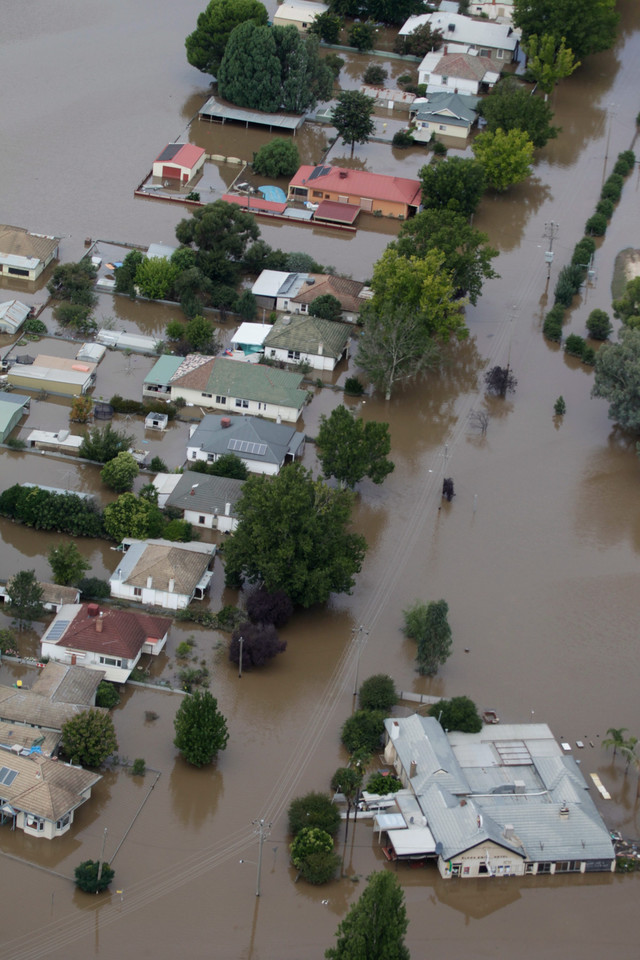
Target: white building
[263,447]
[160,573]
[498,41]
[205,501]
[300,14]
[24,254]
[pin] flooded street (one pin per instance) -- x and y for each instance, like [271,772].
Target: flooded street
[537,556]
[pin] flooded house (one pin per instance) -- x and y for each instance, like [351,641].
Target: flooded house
[24,254]
[13,314]
[503,802]
[62,376]
[298,13]
[305,339]
[370,192]
[497,41]
[161,573]
[263,447]
[13,407]
[179,161]
[204,501]
[295,292]
[59,693]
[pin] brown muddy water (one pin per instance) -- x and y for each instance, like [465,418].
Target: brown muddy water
[541,577]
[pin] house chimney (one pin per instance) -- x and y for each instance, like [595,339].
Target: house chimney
[172,584]
[413,769]
[320,348]
[508,831]
[149,583]
[225,423]
[395,730]
[445,50]
[99,623]
[564,812]
[93,610]
[227,509]
[193,491]
[343,174]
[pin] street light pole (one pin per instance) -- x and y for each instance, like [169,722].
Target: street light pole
[551,229]
[359,640]
[241,642]
[263,832]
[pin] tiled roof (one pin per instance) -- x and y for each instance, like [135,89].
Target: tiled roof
[164,563]
[54,593]
[359,183]
[12,734]
[44,787]
[25,706]
[18,242]
[306,334]
[345,290]
[197,491]
[249,381]
[463,66]
[62,683]
[123,634]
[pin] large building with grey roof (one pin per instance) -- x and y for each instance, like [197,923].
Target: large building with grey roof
[503,802]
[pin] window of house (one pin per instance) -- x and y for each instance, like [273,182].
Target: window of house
[33,822]
[207,394]
[293,354]
[317,193]
[499,54]
[529,868]
[201,518]
[485,53]
[445,80]
[17,272]
[544,868]
[273,353]
[442,126]
[111,661]
[221,399]
[483,869]
[210,458]
[137,591]
[242,403]
[63,822]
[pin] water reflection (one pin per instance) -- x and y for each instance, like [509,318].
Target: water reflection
[598,516]
[195,793]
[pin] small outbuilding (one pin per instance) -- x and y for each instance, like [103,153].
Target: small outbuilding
[13,407]
[24,254]
[179,161]
[13,314]
[298,14]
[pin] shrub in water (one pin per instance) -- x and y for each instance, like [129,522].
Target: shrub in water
[402,139]
[599,325]
[353,387]
[569,281]
[560,407]
[612,189]
[583,250]
[588,356]
[314,810]
[605,207]
[575,345]
[552,328]
[596,225]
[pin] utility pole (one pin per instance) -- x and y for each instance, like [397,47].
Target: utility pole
[262,830]
[551,229]
[241,642]
[101,860]
[359,636]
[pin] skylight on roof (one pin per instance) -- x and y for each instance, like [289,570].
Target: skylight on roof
[57,629]
[7,776]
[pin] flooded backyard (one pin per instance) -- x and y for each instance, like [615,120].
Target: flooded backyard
[537,556]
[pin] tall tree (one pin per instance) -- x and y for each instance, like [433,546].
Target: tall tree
[627,308]
[327,26]
[424,285]
[119,473]
[394,346]
[589,26]
[206,45]
[68,566]
[249,74]
[427,624]
[352,117]
[512,106]
[201,730]
[455,184]
[89,738]
[615,738]
[277,158]
[221,233]
[131,516]
[548,61]
[350,449]
[375,926]
[293,536]
[24,596]
[505,157]
[467,254]
[305,78]
[617,378]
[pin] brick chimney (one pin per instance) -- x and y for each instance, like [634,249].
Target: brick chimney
[99,623]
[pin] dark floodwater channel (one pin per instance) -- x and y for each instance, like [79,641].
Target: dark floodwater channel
[537,555]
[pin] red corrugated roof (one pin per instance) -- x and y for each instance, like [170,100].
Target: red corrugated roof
[254,203]
[361,183]
[122,634]
[338,212]
[187,155]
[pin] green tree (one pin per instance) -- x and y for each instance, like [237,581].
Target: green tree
[229,465]
[427,624]
[131,516]
[155,277]
[588,26]
[455,184]
[548,61]
[350,449]
[107,696]
[362,731]
[305,77]
[67,564]
[327,26]
[352,117]
[24,598]
[393,11]
[420,41]
[278,158]
[119,473]
[126,274]
[627,308]
[424,285]
[505,157]
[200,334]
[362,36]
[617,378]
[293,536]
[74,282]
[467,254]
[326,306]
[383,784]
[206,45]
[221,232]
[394,347]
[104,444]
[375,926]
[247,305]
[91,876]
[313,855]
[615,738]
[89,738]
[459,713]
[7,641]
[313,810]
[511,106]
[201,730]
[599,325]
[378,692]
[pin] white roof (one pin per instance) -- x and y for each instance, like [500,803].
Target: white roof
[13,313]
[253,334]
[166,482]
[483,33]
[303,11]
[53,375]
[412,842]
[22,263]
[130,341]
[91,351]
[163,250]
[61,439]
[269,282]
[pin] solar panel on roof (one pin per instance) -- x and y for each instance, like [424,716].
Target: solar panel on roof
[247,446]
[57,629]
[318,172]
[7,776]
[288,283]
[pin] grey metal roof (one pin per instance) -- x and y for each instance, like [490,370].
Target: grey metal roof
[225,111]
[214,438]
[424,742]
[197,491]
[460,823]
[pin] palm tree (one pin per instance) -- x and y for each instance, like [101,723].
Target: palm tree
[615,739]
[629,749]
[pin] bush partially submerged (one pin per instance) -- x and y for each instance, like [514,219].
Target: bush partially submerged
[260,643]
[459,713]
[378,692]
[363,730]
[313,810]
[265,607]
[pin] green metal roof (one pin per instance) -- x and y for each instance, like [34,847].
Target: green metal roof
[163,370]
[306,334]
[255,381]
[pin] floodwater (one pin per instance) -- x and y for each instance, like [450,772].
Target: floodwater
[537,555]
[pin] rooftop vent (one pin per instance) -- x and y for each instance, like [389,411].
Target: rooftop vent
[343,174]
[225,422]
[93,610]
[564,812]
[413,769]
[451,27]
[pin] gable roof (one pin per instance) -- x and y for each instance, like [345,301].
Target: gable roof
[245,436]
[448,108]
[13,313]
[183,563]
[464,66]
[63,683]
[163,370]
[45,704]
[180,154]
[249,381]
[18,242]
[197,491]
[45,788]
[461,29]
[360,183]
[111,632]
[308,334]
[345,290]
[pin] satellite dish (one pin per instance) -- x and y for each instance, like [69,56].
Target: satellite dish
[439,848]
